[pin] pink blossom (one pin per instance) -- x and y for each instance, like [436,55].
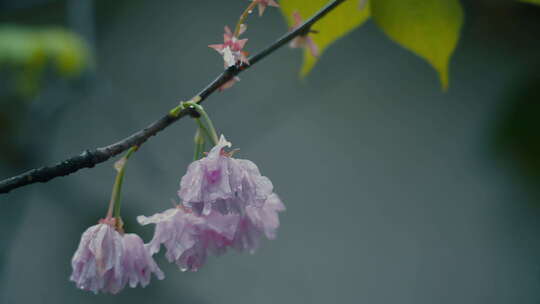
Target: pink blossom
[223,183]
[227,203]
[137,262]
[266,218]
[214,237]
[303,41]
[232,48]
[97,263]
[175,229]
[188,238]
[264,3]
[106,261]
[256,222]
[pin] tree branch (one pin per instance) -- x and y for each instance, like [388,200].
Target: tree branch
[90,158]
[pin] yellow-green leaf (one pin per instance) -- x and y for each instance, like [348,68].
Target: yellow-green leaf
[537,2]
[333,26]
[429,28]
[27,51]
[69,51]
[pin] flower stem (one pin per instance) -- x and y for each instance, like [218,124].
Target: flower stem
[175,112]
[243,17]
[114,205]
[203,130]
[210,130]
[199,144]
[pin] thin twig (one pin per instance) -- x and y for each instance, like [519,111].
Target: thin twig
[90,158]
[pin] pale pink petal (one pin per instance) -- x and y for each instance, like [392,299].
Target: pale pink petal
[228,57]
[297,19]
[218,47]
[262,4]
[175,229]
[313,49]
[244,59]
[97,263]
[223,183]
[303,41]
[228,35]
[189,238]
[228,30]
[240,44]
[138,262]
[266,217]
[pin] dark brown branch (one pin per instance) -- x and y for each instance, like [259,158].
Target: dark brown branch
[90,158]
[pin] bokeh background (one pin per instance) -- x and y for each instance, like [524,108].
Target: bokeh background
[396,192]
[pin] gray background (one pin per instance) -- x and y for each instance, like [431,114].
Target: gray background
[394,191]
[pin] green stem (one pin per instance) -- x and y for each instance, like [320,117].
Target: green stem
[199,144]
[114,205]
[243,17]
[204,130]
[174,112]
[211,130]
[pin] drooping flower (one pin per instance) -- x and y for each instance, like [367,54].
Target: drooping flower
[215,236]
[227,203]
[262,4]
[303,41]
[106,260]
[97,263]
[175,229]
[189,238]
[232,48]
[266,218]
[256,222]
[223,183]
[138,262]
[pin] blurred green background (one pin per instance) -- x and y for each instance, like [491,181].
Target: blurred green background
[396,192]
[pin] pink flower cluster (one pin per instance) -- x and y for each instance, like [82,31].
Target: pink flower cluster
[232,48]
[223,183]
[232,51]
[107,260]
[227,203]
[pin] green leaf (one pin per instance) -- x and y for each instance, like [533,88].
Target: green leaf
[333,26]
[428,28]
[26,51]
[68,51]
[537,2]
